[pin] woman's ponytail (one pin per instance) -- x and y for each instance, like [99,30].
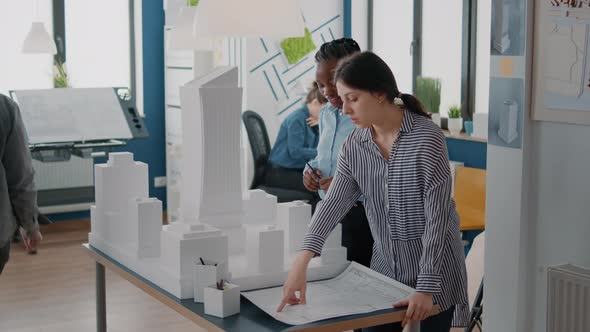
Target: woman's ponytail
[414,105]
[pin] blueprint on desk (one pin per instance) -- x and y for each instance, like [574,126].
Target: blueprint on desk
[357,290]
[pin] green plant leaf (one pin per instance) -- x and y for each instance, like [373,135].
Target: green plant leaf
[454,112]
[297,48]
[60,77]
[428,92]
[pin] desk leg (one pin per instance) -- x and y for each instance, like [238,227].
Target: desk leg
[101,304]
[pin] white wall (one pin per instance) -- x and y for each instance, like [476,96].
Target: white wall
[441,53]
[360,22]
[538,213]
[538,219]
[392,38]
[538,216]
[20,71]
[508,252]
[560,204]
[482,70]
[504,210]
[97,53]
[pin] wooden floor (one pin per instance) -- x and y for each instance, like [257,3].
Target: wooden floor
[54,291]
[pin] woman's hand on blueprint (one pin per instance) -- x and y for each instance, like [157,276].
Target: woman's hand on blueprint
[296,281]
[419,307]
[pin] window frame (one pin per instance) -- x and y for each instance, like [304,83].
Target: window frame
[59,35]
[468,50]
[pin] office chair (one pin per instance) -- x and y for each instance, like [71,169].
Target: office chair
[260,144]
[475,278]
[476,311]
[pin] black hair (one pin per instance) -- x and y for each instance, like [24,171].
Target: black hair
[337,49]
[368,72]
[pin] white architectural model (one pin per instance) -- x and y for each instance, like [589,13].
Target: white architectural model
[254,235]
[501,33]
[508,122]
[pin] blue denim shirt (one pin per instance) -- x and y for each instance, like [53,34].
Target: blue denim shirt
[334,129]
[296,142]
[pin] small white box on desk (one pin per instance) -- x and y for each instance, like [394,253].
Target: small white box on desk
[222,303]
[207,274]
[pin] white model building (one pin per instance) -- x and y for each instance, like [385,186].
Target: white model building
[265,251]
[254,235]
[294,218]
[260,208]
[508,122]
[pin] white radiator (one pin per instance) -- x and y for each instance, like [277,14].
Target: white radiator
[568,299]
[76,172]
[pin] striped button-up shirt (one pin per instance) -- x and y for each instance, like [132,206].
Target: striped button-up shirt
[409,207]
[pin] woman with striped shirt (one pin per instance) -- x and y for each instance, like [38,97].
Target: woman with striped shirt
[397,158]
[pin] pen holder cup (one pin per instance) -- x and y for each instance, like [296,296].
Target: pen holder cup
[222,303]
[205,275]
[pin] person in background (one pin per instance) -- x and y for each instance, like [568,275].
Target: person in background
[397,159]
[18,197]
[334,128]
[296,144]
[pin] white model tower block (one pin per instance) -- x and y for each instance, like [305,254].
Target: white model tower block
[294,218]
[266,249]
[260,208]
[145,218]
[333,252]
[334,240]
[182,245]
[237,239]
[508,122]
[211,190]
[117,181]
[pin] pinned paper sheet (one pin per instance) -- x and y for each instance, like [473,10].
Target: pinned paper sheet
[506,66]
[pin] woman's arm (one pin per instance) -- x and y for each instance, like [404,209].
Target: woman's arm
[437,211]
[296,142]
[344,192]
[296,281]
[341,197]
[437,206]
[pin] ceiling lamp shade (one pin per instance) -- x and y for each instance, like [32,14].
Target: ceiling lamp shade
[253,18]
[38,40]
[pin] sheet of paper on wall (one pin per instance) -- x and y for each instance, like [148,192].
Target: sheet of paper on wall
[357,290]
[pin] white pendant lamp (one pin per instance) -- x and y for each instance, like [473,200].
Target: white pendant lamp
[38,40]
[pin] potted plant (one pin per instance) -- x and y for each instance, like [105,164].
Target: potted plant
[455,121]
[428,91]
[60,75]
